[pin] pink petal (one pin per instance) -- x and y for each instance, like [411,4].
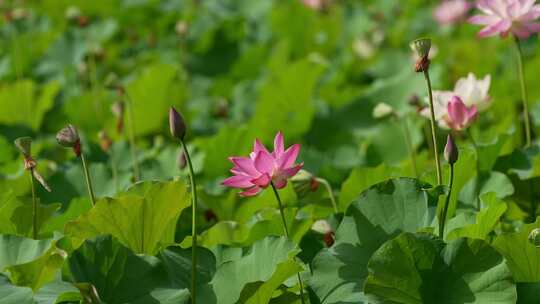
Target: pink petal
[264,162]
[238,181]
[472,114]
[500,27]
[245,165]
[483,19]
[262,181]
[251,191]
[258,147]
[290,172]
[288,158]
[457,112]
[278,145]
[280,183]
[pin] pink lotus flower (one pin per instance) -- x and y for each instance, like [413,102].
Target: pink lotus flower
[261,168]
[459,116]
[505,16]
[451,11]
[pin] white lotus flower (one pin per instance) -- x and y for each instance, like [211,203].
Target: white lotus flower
[471,90]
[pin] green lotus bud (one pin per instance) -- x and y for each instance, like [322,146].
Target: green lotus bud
[451,152]
[304,182]
[176,124]
[24,145]
[534,237]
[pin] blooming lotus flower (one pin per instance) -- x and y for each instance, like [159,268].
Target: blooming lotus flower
[472,92]
[451,11]
[507,16]
[459,115]
[261,168]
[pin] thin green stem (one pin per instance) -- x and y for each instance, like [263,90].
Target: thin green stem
[88,180]
[114,169]
[477,184]
[524,95]
[131,136]
[193,225]
[442,220]
[326,184]
[433,128]
[34,206]
[278,198]
[410,147]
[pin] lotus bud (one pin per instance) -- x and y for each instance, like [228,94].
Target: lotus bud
[69,138]
[176,124]
[534,237]
[382,110]
[181,160]
[421,49]
[451,152]
[73,12]
[304,182]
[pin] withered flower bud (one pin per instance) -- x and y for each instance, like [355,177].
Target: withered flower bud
[105,142]
[421,49]
[69,138]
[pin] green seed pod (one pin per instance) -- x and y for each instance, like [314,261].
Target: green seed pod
[24,145]
[421,47]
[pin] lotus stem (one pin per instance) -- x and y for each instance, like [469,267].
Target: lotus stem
[34,206]
[88,180]
[131,136]
[193,225]
[524,95]
[476,186]
[326,184]
[433,128]
[442,221]
[278,198]
[410,146]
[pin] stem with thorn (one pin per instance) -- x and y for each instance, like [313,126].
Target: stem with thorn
[433,128]
[88,180]
[131,136]
[34,205]
[442,220]
[278,198]
[193,225]
[524,95]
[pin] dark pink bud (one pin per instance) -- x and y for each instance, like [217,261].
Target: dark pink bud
[451,152]
[176,124]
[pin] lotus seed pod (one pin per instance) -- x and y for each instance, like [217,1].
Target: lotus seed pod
[176,124]
[24,145]
[534,237]
[451,152]
[421,47]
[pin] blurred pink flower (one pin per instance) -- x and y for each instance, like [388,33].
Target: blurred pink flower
[459,116]
[261,168]
[451,11]
[505,16]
